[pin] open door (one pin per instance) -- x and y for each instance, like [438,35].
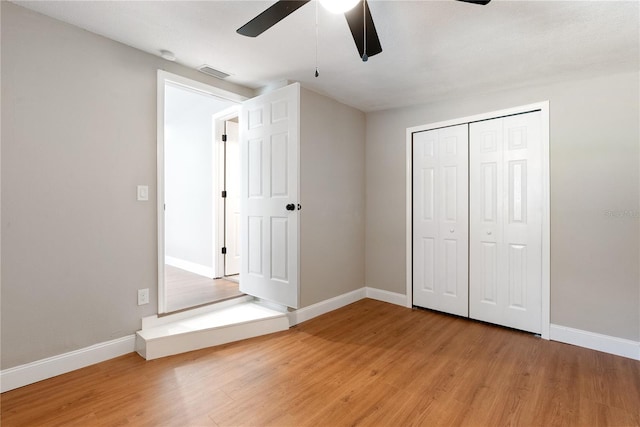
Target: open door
[269,221]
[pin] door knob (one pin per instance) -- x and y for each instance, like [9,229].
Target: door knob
[489,232]
[291,207]
[451,230]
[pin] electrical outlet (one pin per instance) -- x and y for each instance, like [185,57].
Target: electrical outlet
[143,296]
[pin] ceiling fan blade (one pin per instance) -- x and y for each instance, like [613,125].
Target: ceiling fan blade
[482,2]
[355,19]
[267,19]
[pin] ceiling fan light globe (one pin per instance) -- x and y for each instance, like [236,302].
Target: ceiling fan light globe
[338,6]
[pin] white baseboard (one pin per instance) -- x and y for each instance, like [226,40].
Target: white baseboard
[323,307]
[194,268]
[30,373]
[39,370]
[386,296]
[605,343]
[315,310]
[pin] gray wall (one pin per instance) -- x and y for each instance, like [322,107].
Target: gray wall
[78,135]
[594,152]
[332,197]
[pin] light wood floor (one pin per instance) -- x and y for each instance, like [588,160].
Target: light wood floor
[185,289]
[369,363]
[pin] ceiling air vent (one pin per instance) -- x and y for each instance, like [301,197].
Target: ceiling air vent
[213,72]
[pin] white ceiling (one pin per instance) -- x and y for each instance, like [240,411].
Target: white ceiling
[431,49]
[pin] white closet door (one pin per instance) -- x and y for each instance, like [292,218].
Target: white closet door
[440,219]
[506,221]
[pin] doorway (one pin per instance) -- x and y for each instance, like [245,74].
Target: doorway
[189,196]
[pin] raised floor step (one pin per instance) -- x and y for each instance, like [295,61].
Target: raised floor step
[247,319]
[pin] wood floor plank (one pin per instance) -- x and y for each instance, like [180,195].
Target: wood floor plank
[369,363]
[185,289]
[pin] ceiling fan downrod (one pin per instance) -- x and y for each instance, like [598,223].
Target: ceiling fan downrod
[365,58]
[317,73]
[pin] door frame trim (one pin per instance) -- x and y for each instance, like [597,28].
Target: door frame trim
[543,107]
[164,77]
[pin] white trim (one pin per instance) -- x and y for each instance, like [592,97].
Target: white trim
[605,343]
[409,217]
[307,313]
[197,86]
[161,83]
[233,323]
[181,343]
[165,77]
[479,117]
[543,107]
[386,296]
[195,268]
[39,370]
[546,223]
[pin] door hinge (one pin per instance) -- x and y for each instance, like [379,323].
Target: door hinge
[224,138]
[224,193]
[224,251]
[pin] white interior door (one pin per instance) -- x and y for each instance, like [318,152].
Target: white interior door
[440,219]
[506,221]
[269,153]
[232,201]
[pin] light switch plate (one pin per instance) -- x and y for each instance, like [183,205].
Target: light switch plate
[143,193]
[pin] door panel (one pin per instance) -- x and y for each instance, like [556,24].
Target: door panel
[279,249]
[269,135]
[451,267]
[488,189]
[488,275]
[440,219]
[254,167]
[279,170]
[506,221]
[427,268]
[428,193]
[254,240]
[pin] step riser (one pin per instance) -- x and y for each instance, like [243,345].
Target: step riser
[176,344]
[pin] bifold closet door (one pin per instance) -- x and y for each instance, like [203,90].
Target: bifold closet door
[506,221]
[440,219]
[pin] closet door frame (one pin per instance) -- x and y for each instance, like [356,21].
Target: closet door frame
[543,107]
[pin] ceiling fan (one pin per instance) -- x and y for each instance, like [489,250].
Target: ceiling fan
[357,13]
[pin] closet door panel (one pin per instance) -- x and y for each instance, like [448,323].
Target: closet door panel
[440,219]
[485,218]
[506,222]
[424,219]
[523,221]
